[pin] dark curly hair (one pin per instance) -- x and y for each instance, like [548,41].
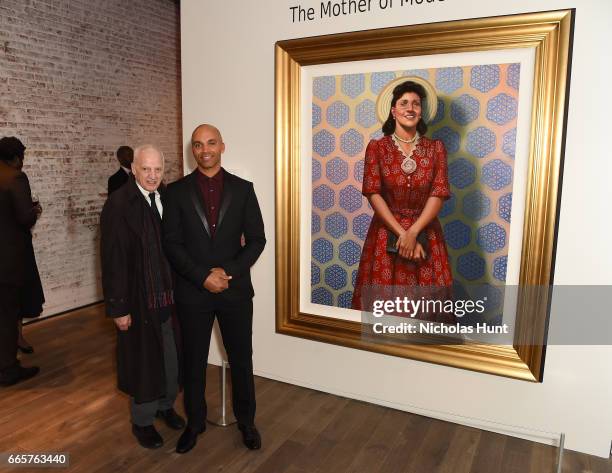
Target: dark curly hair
[11,148]
[409,86]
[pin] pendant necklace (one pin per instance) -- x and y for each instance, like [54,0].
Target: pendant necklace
[408,165]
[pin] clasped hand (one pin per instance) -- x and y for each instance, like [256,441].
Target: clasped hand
[408,247]
[123,323]
[217,281]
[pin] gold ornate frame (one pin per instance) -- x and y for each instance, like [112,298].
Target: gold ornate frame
[550,34]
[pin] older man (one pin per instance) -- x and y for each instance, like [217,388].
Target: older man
[137,283]
[208,213]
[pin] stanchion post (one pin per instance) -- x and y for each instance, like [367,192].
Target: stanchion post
[560,457]
[223,420]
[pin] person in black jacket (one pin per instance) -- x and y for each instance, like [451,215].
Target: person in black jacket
[125,156]
[138,292]
[208,213]
[17,215]
[31,294]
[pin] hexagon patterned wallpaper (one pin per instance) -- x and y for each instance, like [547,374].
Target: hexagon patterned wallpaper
[476,120]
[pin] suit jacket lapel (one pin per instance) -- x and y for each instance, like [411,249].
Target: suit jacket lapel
[196,199]
[226,198]
[134,210]
[135,220]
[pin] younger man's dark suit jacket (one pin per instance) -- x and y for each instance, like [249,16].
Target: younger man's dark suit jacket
[193,252]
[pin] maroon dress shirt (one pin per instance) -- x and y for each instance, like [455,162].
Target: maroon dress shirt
[211,189]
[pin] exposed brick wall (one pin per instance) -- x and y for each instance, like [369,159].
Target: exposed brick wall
[79,78]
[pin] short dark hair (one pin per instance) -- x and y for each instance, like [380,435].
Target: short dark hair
[409,86]
[10,148]
[125,155]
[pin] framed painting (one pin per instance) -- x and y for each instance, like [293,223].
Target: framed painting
[494,99]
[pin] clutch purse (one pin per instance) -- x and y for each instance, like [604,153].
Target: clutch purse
[392,241]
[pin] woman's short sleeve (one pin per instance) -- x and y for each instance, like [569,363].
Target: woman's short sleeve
[371,170]
[439,186]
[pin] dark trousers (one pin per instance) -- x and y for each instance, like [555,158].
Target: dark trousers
[9,315]
[236,324]
[143,414]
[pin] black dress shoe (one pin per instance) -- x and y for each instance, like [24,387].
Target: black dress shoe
[250,436]
[147,436]
[172,419]
[28,350]
[16,374]
[188,439]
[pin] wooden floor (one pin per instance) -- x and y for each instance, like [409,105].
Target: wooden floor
[73,407]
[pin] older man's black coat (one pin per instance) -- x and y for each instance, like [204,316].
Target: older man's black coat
[139,349]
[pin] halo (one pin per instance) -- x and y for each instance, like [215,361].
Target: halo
[429,108]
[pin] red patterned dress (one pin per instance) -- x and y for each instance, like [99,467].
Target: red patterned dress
[384,275]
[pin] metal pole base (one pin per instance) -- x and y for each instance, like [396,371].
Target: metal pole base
[225,418]
[561,450]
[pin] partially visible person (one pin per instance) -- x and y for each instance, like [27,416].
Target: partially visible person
[125,156]
[17,216]
[31,295]
[139,296]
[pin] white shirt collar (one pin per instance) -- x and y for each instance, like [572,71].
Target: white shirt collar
[146,192]
[127,170]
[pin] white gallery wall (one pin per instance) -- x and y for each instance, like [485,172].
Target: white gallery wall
[228,80]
